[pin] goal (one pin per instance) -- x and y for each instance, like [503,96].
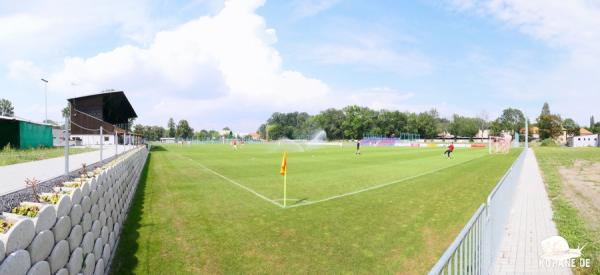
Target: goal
[499,144]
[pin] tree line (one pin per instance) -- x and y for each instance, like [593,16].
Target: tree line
[180,130]
[355,122]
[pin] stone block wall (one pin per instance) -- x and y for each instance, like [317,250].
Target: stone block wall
[78,234]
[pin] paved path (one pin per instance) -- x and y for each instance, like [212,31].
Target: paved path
[529,223]
[12,177]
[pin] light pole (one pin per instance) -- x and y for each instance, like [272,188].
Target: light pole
[46,98]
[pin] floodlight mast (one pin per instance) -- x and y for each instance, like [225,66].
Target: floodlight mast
[526,133]
[45,98]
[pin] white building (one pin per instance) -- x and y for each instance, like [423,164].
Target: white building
[585,141]
[94,139]
[167,140]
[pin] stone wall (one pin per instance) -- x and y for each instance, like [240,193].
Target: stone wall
[78,233]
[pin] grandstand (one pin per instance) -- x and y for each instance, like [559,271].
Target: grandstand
[110,111]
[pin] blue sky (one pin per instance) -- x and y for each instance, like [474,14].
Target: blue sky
[233,63]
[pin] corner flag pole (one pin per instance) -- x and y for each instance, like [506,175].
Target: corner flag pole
[284,189]
[283,172]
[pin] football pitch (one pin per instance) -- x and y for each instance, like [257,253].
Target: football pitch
[209,209]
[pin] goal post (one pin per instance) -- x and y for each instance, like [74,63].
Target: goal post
[499,144]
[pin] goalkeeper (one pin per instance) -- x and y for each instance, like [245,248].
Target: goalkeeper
[450,149]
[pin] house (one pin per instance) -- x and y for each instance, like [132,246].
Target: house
[533,130]
[592,140]
[584,132]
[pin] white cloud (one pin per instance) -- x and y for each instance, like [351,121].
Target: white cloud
[218,70]
[376,57]
[45,28]
[306,8]
[21,69]
[224,63]
[568,27]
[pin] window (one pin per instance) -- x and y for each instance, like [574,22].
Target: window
[105,138]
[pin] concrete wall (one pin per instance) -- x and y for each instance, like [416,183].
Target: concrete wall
[79,233]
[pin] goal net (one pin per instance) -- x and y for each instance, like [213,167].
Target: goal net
[499,144]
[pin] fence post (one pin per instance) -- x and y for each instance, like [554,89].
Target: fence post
[67,137]
[101,143]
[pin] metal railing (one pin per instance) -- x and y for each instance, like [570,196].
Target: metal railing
[474,249]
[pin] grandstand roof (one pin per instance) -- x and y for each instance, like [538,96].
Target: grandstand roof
[112,107]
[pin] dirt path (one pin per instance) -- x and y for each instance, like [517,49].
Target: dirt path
[581,187]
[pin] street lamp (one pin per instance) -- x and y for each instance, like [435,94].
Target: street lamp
[46,98]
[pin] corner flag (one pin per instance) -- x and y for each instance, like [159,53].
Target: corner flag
[283,170]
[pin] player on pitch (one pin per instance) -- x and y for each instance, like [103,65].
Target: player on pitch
[450,149]
[357,147]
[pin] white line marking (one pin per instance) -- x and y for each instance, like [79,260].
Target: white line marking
[308,202]
[380,185]
[238,184]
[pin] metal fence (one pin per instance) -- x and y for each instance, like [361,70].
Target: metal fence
[474,249]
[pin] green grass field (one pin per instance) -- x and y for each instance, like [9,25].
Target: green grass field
[209,209]
[571,224]
[13,156]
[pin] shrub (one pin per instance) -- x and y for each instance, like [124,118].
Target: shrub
[4,226]
[50,198]
[29,211]
[548,142]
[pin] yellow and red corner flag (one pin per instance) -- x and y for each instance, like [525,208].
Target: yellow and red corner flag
[283,170]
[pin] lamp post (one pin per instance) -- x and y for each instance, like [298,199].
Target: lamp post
[46,98]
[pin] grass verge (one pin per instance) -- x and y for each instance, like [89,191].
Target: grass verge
[569,221]
[13,156]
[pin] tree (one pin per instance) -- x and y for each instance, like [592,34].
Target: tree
[483,122]
[51,122]
[130,123]
[389,123]
[571,127]
[171,128]
[511,120]
[550,125]
[426,123]
[464,126]
[330,121]
[545,109]
[138,129]
[6,108]
[357,121]
[202,134]
[184,130]
[66,111]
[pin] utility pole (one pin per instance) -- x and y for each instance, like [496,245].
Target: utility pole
[526,133]
[67,137]
[46,98]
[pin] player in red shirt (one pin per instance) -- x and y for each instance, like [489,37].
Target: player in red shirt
[450,149]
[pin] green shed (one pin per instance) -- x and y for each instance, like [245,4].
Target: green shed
[24,134]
